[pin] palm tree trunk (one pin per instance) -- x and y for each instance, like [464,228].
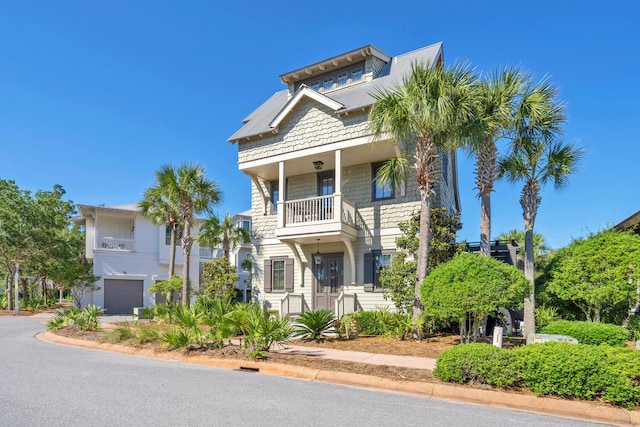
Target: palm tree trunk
[423,256]
[186,251]
[485,177]
[530,201]
[172,258]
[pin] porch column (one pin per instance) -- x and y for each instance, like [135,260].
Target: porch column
[281,187]
[338,172]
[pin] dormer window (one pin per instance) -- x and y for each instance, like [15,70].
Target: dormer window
[343,78]
[334,79]
[327,83]
[356,74]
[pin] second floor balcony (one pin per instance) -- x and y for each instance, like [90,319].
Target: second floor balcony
[332,214]
[115,243]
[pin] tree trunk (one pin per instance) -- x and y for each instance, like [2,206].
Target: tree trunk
[423,259]
[172,259]
[186,251]
[530,200]
[485,177]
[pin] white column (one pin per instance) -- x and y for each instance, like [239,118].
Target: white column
[338,172]
[281,189]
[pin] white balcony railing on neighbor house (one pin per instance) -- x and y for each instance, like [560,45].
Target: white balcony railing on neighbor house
[115,243]
[321,208]
[345,303]
[292,304]
[206,252]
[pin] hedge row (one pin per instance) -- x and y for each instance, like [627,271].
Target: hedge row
[593,333]
[554,368]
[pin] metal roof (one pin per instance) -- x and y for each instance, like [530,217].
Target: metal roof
[353,97]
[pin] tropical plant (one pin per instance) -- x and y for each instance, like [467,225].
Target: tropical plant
[188,192]
[537,158]
[496,96]
[167,287]
[85,319]
[266,330]
[315,325]
[215,232]
[426,110]
[159,209]
[546,315]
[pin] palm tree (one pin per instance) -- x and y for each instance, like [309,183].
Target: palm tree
[214,232]
[540,247]
[536,159]
[424,111]
[187,190]
[155,207]
[495,100]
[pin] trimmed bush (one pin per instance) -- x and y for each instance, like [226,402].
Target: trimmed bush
[589,332]
[564,369]
[476,363]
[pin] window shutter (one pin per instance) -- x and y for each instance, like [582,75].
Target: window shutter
[368,272]
[267,276]
[288,275]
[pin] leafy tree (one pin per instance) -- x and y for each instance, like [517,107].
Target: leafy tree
[470,287]
[537,158]
[598,274]
[78,277]
[218,279]
[496,97]
[167,287]
[215,232]
[398,281]
[424,112]
[188,192]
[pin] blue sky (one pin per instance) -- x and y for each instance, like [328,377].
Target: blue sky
[96,95]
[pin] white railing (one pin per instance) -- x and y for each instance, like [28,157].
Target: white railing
[308,210]
[206,252]
[348,212]
[115,243]
[345,303]
[292,304]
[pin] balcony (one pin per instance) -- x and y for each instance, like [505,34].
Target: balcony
[115,243]
[313,216]
[206,252]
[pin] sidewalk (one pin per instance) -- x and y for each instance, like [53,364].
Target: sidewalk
[360,357]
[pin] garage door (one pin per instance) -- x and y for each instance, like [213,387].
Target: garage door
[120,296]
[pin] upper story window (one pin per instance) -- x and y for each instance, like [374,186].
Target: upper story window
[246,224]
[378,190]
[167,235]
[334,79]
[274,193]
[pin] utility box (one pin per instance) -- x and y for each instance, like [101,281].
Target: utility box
[638,345]
[541,338]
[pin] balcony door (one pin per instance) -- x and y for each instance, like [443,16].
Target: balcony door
[328,281]
[326,187]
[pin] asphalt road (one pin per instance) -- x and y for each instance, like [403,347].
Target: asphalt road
[45,384]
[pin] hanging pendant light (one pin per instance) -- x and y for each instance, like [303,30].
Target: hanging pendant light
[317,258]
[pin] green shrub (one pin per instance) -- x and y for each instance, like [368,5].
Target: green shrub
[625,364]
[589,332]
[120,334]
[315,325]
[564,369]
[86,319]
[383,322]
[546,315]
[145,334]
[476,363]
[634,328]
[266,330]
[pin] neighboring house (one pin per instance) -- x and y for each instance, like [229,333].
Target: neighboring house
[239,254]
[323,226]
[630,223]
[130,253]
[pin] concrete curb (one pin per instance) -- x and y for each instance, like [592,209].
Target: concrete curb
[579,410]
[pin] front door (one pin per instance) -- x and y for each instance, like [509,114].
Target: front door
[328,280]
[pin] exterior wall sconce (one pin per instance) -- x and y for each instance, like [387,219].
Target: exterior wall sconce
[317,258]
[318,164]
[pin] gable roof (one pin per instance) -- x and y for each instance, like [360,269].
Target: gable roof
[358,96]
[301,93]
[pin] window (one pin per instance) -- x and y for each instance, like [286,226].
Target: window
[315,85]
[246,224]
[379,191]
[274,193]
[167,235]
[374,263]
[327,83]
[246,263]
[278,274]
[445,167]
[356,74]
[343,78]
